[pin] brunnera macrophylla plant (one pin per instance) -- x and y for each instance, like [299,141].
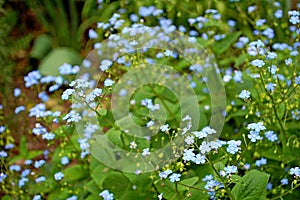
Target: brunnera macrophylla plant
[136,128]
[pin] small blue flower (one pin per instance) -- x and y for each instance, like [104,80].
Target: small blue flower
[269,186]
[37,197]
[270,87]
[230,169]
[2,129]
[105,64]
[19,109]
[40,179]
[257,63]
[74,197]
[17,92]
[295,171]
[58,176]
[165,174]
[254,136]
[288,61]
[43,96]
[48,136]
[108,82]
[278,14]
[2,176]
[39,163]
[271,136]
[164,128]
[260,22]
[16,168]
[93,34]
[22,181]
[260,162]
[64,160]
[146,152]
[175,177]
[106,195]
[245,94]
[25,172]
[3,154]
[284,181]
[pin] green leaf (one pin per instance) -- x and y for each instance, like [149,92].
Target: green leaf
[221,46]
[117,183]
[187,182]
[251,186]
[75,173]
[92,187]
[58,194]
[167,188]
[41,47]
[115,137]
[51,63]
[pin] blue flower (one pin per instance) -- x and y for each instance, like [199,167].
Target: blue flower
[288,61]
[64,160]
[233,146]
[15,168]
[199,159]
[3,154]
[43,96]
[254,136]
[270,87]
[164,128]
[175,177]
[32,78]
[295,171]
[58,176]
[294,17]
[19,109]
[25,172]
[260,162]
[93,34]
[22,181]
[48,136]
[106,195]
[284,181]
[108,82]
[245,94]
[271,136]
[165,174]
[17,92]
[40,179]
[39,163]
[2,176]
[256,126]
[257,63]
[269,186]
[260,22]
[188,155]
[251,9]
[74,197]
[230,169]
[146,152]
[2,129]
[105,64]
[278,14]
[37,197]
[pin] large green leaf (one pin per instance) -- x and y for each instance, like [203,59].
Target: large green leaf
[51,63]
[251,186]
